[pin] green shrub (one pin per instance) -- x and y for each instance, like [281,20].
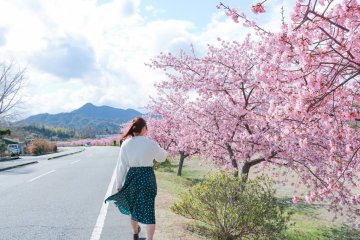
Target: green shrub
[3,148]
[231,209]
[165,166]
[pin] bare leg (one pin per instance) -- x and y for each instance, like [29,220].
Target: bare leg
[134,226]
[150,230]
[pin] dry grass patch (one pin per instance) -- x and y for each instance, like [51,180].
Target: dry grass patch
[169,224]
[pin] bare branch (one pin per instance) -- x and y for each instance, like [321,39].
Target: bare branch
[11,82]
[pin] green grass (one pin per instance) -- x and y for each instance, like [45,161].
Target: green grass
[308,224]
[306,220]
[166,174]
[312,230]
[301,208]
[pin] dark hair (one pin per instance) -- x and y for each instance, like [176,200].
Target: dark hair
[136,126]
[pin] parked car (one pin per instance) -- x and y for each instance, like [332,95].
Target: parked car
[13,149]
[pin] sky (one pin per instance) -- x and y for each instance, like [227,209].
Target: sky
[80,51]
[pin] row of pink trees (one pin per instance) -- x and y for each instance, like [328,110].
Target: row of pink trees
[107,141]
[290,99]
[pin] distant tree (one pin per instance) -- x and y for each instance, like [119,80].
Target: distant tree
[4,132]
[11,82]
[3,145]
[49,131]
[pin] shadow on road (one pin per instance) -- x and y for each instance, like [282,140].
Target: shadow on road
[16,171]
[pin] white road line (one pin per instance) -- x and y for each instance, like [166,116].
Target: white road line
[75,161]
[41,176]
[103,211]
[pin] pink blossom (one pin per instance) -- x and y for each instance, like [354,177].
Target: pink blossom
[233,14]
[258,8]
[309,199]
[296,199]
[235,18]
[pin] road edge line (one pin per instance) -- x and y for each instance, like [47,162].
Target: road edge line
[42,175]
[99,225]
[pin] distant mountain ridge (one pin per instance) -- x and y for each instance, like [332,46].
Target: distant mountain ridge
[96,119]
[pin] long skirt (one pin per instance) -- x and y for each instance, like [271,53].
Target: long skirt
[137,196]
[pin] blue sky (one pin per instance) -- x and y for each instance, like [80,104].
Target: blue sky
[199,12]
[79,51]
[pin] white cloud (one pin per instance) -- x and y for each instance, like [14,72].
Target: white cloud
[224,28]
[78,51]
[2,36]
[66,58]
[274,18]
[154,11]
[149,8]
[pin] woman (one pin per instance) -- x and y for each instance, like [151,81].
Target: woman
[136,196]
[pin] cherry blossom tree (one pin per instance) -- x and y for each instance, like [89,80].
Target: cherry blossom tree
[287,99]
[311,69]
[225,121]
[166,126]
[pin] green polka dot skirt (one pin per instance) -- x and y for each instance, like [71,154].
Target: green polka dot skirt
[137,196]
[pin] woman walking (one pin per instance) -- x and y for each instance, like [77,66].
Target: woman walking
[136,196]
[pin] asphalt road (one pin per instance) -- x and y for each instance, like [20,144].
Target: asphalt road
[61,199]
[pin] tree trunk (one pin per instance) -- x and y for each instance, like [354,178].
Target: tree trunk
[233,160]
[245,171]
[181,162]
[235,165]
[247,165]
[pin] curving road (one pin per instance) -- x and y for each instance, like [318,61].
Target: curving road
[62,199]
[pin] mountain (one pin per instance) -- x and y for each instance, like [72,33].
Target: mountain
[89,118]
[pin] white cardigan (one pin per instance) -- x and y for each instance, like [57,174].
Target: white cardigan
[138,151]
